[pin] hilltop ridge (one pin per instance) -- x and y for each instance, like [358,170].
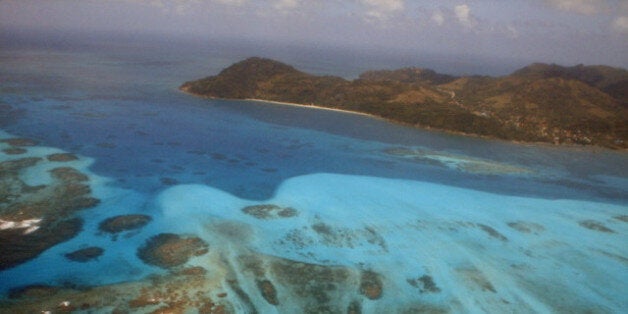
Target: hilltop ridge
[539,103]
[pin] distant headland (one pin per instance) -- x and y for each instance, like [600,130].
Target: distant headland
[538,103]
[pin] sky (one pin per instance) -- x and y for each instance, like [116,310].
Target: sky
[567,32]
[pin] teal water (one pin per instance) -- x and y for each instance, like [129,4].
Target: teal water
[432,198]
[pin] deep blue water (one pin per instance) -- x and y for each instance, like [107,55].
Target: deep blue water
[120,106]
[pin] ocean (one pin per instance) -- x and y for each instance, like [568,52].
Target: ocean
[408,219]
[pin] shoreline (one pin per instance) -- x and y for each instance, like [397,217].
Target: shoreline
[430,129]
[293,104]
[420,127]
[283,103]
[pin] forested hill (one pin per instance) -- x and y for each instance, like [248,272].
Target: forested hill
[538,103]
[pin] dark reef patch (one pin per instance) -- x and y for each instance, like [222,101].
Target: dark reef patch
[425,284]
[168,181]
[300,274]
[526,227]
[315,286]
[268,291]
[371,285]
[623,218]
[19,142]
[17,164]
[340,237]
[36,218]
[476,277]
[122,223]
[14,151]
[375,238]
[33,291]
[172,293]
[168,250]
[68,174]
[269,211]
[595,225]
[62,157]
[354,308]
[18,248]
[492,232]
[86,254]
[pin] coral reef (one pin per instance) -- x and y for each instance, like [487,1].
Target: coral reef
[122,223]
[168,250]
[62,157]
[371,285]
[425,284]
[19,142]
[35,218]
[492,232]
[311,288]
[268,291]
[177,292]
[14,151]
[269,211]
[86,254]
[526,227]
[595,225]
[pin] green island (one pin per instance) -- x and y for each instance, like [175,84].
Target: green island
[538,103]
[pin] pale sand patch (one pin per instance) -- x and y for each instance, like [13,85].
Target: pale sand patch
[31,225]
[312,107]
[289,104]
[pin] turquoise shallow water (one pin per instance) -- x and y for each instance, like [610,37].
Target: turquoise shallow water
[369,194]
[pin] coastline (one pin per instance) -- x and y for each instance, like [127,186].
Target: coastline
[431,129]
[426,128]
[283,103]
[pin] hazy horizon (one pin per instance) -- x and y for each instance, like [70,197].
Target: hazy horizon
[566,32]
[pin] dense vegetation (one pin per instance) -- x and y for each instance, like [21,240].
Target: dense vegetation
[545,103]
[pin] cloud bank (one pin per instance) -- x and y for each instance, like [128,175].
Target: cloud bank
[579,6]
[546,30]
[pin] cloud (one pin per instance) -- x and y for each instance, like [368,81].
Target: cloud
[236,3]
[464,17]
[512,32]
[621,24]
[180,7]
[438,18]
[285,5]
[460,14]
[382,9]
[587,7]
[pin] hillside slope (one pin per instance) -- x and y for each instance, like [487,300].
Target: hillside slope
[539,103]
